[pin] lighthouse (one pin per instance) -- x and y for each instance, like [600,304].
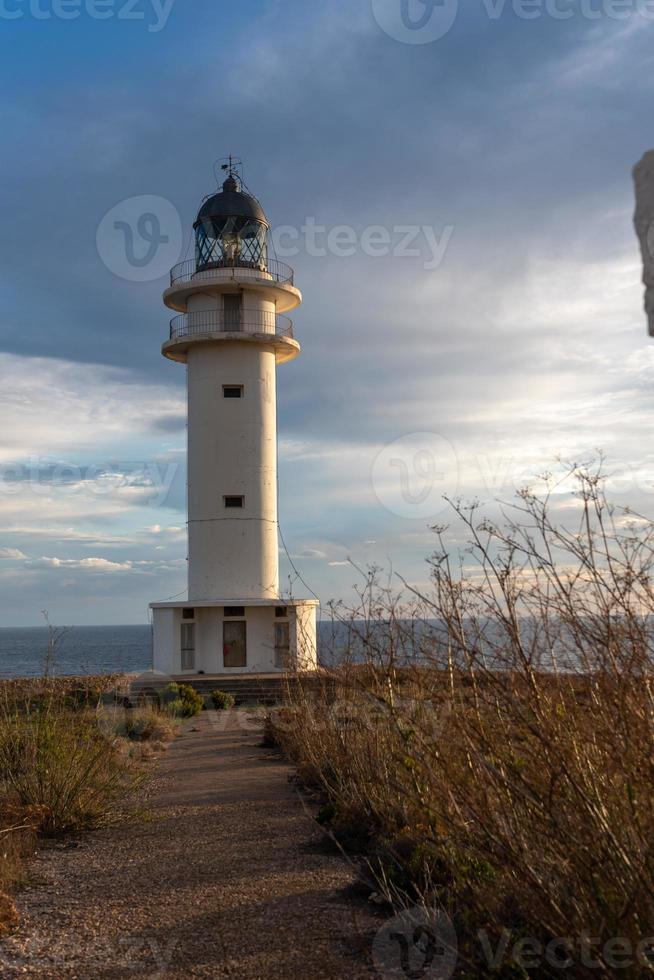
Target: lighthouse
[231,329]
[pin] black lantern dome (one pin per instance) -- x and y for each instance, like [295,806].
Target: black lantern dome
[231,230]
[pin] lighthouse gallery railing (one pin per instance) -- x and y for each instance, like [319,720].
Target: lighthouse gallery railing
[219,321]
[188,271]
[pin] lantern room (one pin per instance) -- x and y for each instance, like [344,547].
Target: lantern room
[231,230]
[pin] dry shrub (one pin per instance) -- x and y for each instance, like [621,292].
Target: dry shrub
[62,767]
[144,723]
[8,914]
[18,828]
[86,690]
[505,772]
[59,759]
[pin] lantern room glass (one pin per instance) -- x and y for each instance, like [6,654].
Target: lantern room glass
[231,242]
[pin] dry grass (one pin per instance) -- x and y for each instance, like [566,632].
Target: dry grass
[508,779]
[146,723]
[70,755]
[18,828]
[87,689]
[60,760]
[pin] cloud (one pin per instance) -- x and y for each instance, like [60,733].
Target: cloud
[12,553]
[528,342]
[94,564]
[56,406]
[169,423]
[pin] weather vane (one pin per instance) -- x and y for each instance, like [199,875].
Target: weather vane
[231,165]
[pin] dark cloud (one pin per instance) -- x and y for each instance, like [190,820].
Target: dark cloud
[169,423]
[527,339]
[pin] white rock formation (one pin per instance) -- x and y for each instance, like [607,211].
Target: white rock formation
[644,223]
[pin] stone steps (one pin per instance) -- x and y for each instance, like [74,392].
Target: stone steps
[244,690]
[254,689]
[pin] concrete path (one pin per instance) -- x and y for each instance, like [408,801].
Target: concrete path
[228,877]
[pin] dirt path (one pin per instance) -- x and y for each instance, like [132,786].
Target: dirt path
[227,878]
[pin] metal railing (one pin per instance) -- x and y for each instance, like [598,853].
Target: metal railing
[217,321]
[188,271]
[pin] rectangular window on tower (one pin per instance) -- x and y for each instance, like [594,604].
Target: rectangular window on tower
[234,643]
[188,646]
[232,391]
[233,309]
[234,501]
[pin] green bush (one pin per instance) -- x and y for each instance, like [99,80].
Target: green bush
[183,701]
[222,700]
[177,708]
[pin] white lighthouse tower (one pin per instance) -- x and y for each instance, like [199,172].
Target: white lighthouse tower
[231,333]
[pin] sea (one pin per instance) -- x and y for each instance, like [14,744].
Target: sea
[80,650]
[84,650]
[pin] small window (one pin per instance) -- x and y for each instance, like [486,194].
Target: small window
[188,646]
[234,644]
[188,613]
[234,611]
[282,645]
[281,612]
[232,391]
[234,501]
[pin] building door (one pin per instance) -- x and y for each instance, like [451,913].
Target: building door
[232,306]
[282,645]
[234,643]
[188,646]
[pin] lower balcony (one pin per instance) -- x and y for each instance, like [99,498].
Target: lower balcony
[218,321]
[245,326]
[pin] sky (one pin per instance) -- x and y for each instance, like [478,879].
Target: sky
[450,182]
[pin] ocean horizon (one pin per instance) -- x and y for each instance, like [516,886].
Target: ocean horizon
[87,650]
[82,650]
